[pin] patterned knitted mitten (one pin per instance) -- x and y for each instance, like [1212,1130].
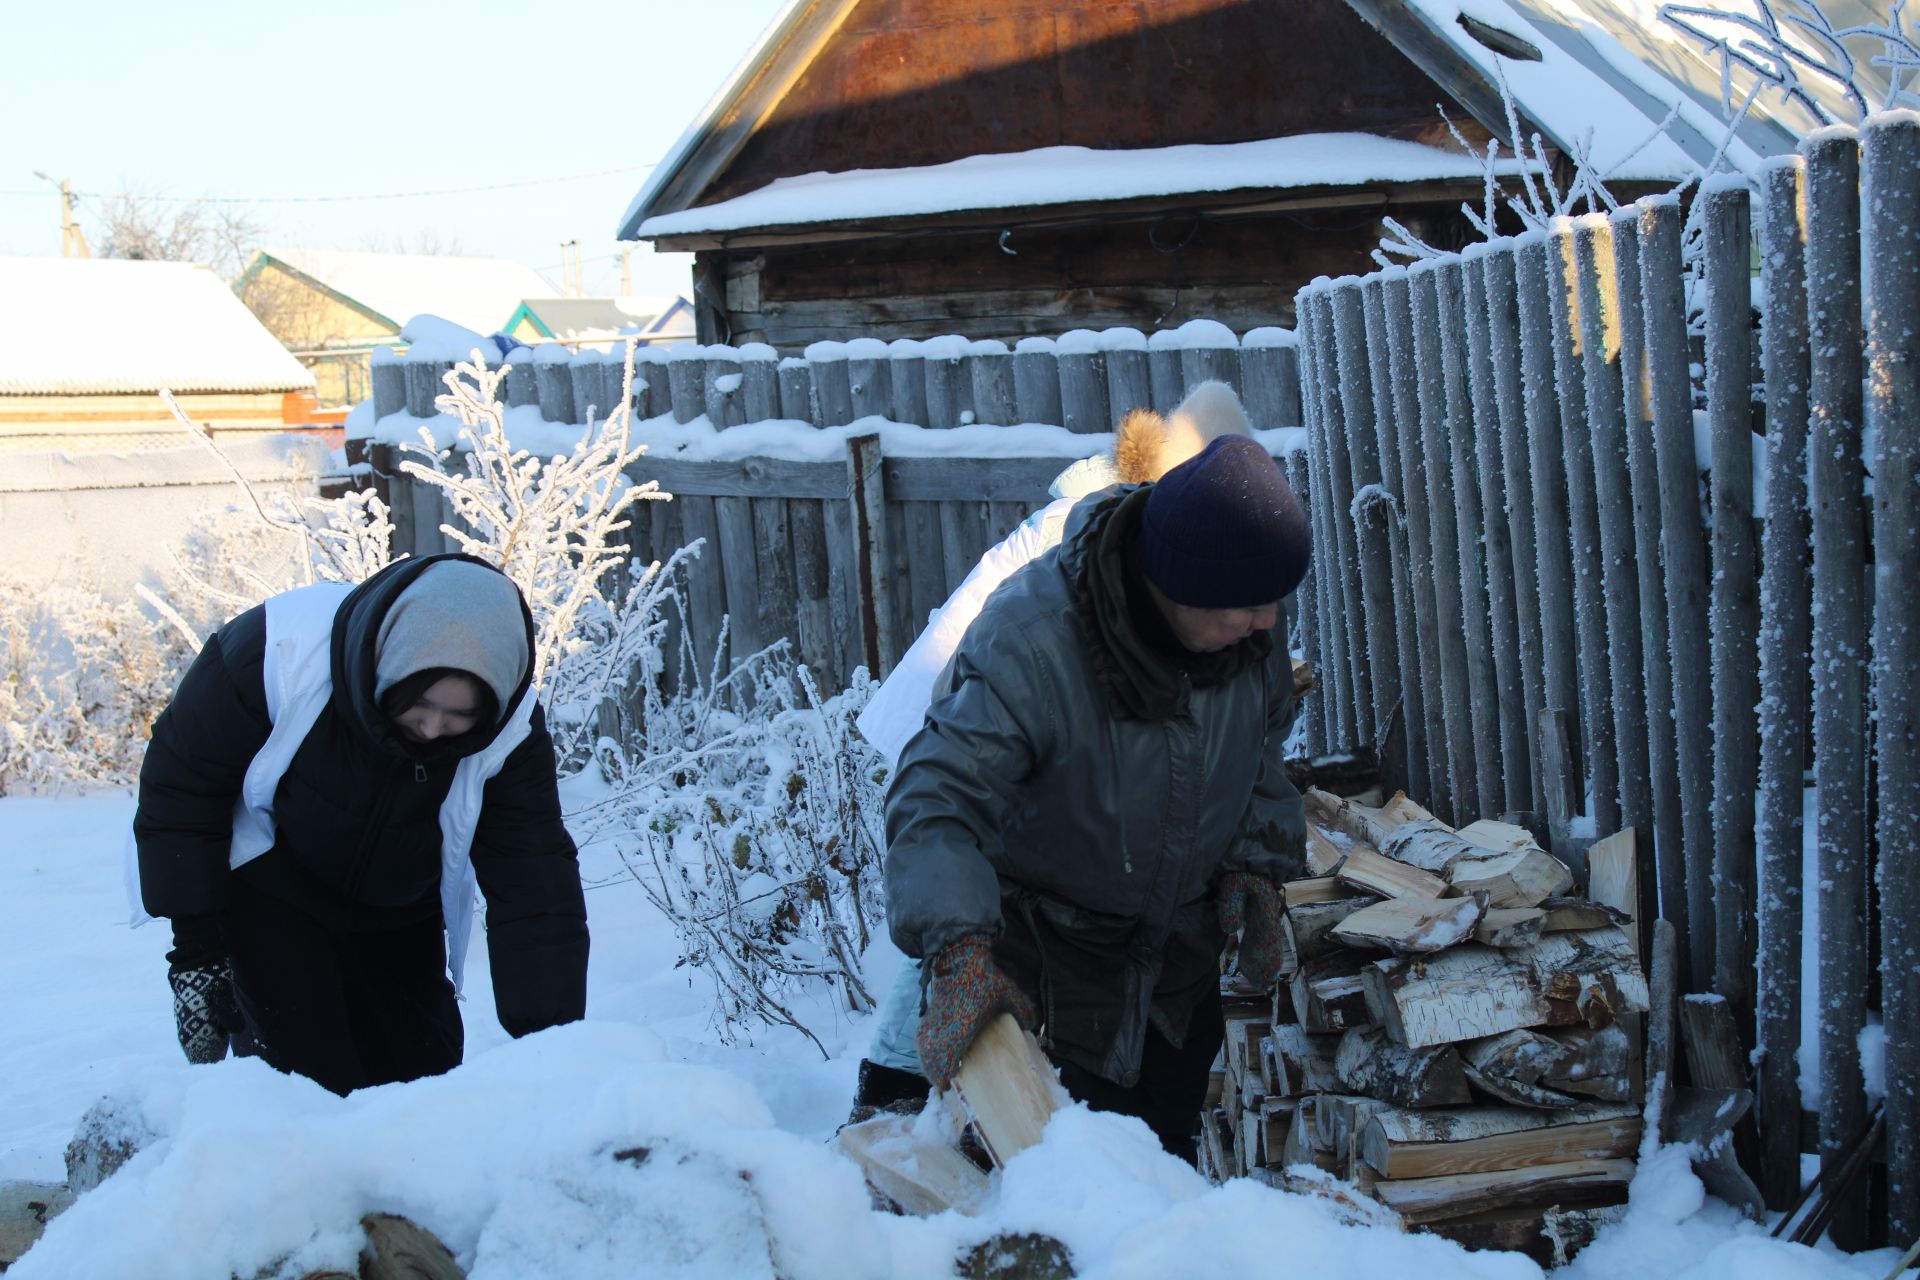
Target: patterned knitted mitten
[1251,906]
[967,990]
[205,1012]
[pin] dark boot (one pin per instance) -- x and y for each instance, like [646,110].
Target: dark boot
[886,1089]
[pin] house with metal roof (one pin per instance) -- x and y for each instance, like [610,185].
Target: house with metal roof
[87,343]
[651,321]
[331,307]
[996,168]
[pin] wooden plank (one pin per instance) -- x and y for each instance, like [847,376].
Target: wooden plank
[1083,390]
[1412,925]
[743,477]
[1203,364]
[776,594]
[1423,1200]
[1022,480]
[1036,382]
[1009,1089]
[1272,377]
[1613,880]
[924,1176]
[813,606]
[1664,999]
[706,584]
[686,384]
[949,388]
[869,379]
[832,383]
[740,576]
[995,397]
[1424,1144]
[871,561]
[963,540]
[723,385]
[843,579]
[1129,383]
[909,382]
[796,392]
[926,580]
[759,384]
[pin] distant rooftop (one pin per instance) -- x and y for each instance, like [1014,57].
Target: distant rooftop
[593,319]
[99,325]
[479,293]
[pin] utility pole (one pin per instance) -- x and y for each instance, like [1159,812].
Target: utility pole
[570,267]
[626,273]
[73,242]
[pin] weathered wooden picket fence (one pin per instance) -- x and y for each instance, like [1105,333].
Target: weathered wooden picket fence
[846,558]
[1523,591]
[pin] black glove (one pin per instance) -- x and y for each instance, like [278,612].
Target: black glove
[205,1012]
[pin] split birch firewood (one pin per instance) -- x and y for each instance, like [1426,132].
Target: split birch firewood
[1520,878]
[1370,872]
[1423,1200]
[1597,1062]
[1217,1146]
[1009,1088]
[1613,879]
[1309,928]
[1276,1117]
[1474,991]
[1321,1006]
[918,1172]
[1323,855]
[1427,1144]
[1327,888]
[1340,1118]
[1302,1063]
[1521,1055]
[1506,927]
[1515,1093]
[1243,1054]
[1216,1080]
[1566,915]
[400,1249]
[1413,926]
[1303,1145]
[1367,1062]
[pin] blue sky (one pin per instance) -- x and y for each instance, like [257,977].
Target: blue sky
[217,98]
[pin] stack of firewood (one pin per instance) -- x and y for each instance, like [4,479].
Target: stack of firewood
[1455,1032]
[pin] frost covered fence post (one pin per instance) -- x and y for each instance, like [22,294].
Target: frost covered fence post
[1386,430]
[1670,400]
[869,379]
[832,384]
[389,383]
[521,387]
[990,366]
[423,384]
[1599,329]
[1786,624]
[589,397]
[1644,476]
[1397,306]
[1892,193]
[1129,378]
[721,387]
[1303,629]
[1036,381]
[1552,550]
[1270,368]
[1332,609]
[1505,627]
[1589,605]
[1503,336]
[1372,513]
[1735,593]
[759,381]
[796,390]
[652,396]
[1438,468]
[1333,436]
[873,581]
[1209,351]
[949,383]
[1839,637]
[1470,527]
[909,381]
[686,383]
[1083,382]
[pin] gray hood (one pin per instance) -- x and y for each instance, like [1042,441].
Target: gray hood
[455,614]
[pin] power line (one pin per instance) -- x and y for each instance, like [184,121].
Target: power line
[385,195]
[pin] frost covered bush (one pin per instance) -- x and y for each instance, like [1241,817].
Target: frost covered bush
[83,679]
[755,827]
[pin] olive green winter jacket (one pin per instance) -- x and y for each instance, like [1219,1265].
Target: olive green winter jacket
[1083,821]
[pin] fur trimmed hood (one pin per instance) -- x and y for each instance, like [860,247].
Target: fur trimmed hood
[1147,445]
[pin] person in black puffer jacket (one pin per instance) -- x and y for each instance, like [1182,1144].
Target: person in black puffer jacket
[304,874]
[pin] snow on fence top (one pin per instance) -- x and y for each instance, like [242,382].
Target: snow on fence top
[77,326]
[1051,389]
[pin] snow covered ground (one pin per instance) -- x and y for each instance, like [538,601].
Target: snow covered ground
[511,1158]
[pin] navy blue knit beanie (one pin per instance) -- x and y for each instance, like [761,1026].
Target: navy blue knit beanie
[1223,530]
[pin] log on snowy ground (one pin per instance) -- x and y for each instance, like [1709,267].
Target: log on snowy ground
[25,1210]
[1474,991]
[921,1173]
[1402,1144]
[1571,1182]
[1413,926]
[1550,1237]
[401,1250]
[1368,1062]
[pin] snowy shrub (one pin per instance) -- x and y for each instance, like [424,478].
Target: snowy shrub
[83,678]
[755,827]
[551,526]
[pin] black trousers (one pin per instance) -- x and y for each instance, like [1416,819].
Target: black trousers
[346,1010]
[1173,1081]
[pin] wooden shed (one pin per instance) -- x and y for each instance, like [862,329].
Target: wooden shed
[998,168]
[85,343]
